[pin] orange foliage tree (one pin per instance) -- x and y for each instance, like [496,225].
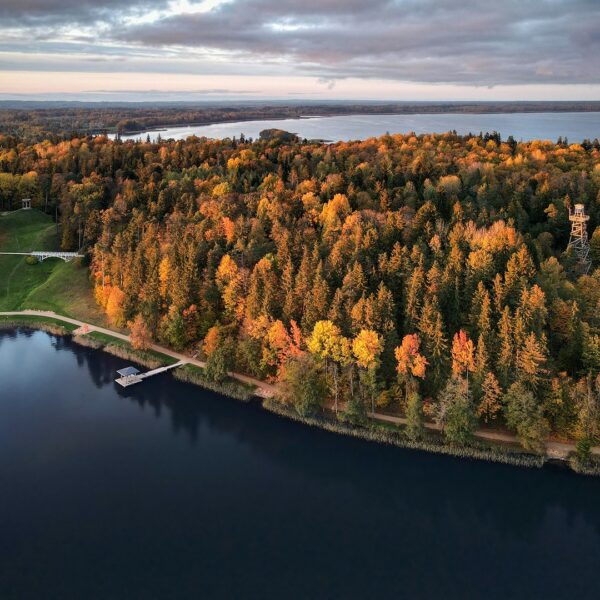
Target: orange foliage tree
[463,354]
[411,363]
[114,306]
[140,336]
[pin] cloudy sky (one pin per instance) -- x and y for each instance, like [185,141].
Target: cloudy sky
[300,49]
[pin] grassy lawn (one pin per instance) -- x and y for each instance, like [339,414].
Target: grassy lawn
[33,319]
[109,339]
[49,285]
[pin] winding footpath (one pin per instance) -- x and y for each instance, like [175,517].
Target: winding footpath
[554,449]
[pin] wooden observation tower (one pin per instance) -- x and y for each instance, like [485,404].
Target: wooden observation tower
[578,241]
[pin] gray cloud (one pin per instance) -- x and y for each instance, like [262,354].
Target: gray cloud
[481,42]
[473,42]
[41,12]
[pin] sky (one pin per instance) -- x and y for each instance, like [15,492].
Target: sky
[300,49]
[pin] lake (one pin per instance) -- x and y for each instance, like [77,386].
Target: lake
[576,126]
[164,490]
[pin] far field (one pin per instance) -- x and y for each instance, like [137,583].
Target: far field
[50,285]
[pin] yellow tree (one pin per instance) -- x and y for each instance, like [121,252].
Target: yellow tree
[327,344]
[234,298]
[366,347]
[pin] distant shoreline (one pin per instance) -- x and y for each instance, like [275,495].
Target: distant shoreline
[428,109]
[160,128]
[80,118]
[178,131]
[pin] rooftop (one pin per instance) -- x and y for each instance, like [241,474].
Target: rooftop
[127,371]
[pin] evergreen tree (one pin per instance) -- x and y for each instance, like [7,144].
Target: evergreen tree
[531,362]
[415,427]
[490,405]
[526,417]
[455,412]
[506,352]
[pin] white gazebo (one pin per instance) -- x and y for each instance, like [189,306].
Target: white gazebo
[26,203]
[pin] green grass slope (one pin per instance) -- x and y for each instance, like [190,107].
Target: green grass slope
[49,285]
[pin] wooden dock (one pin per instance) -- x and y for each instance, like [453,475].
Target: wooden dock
[131,376]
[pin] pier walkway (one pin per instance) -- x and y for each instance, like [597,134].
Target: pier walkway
[132,378]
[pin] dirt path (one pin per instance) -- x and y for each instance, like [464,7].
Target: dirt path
[553,449]
[265,390]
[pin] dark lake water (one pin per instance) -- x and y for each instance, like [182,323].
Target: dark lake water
[168,491]
[576,126]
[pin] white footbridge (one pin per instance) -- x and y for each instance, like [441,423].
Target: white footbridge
[42,255]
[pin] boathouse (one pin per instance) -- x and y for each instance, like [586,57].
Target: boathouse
[129,376]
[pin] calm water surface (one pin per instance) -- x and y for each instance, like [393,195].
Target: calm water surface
[523,126]
[167,491]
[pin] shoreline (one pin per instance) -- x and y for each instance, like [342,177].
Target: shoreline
[160,128]
[371,431]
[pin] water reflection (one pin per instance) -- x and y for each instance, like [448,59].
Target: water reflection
[138,481]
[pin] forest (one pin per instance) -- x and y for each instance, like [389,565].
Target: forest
[425,276]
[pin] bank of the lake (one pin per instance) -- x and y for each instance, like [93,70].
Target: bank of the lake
[167,490]
[379,430]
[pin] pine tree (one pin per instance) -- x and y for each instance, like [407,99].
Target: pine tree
[415,288]
[435,344]
[415,427]
[506,353]
[489,406]
[453,285]
[526,417]
[316,305]
[482,364]
[455,412]
[499,294]
[531,361]
[383,310]
[303,283]
[337,313]
[290,305]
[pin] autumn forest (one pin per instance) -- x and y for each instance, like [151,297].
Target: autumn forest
[424,276]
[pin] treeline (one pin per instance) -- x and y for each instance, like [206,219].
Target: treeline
[36,121]
[421,274]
